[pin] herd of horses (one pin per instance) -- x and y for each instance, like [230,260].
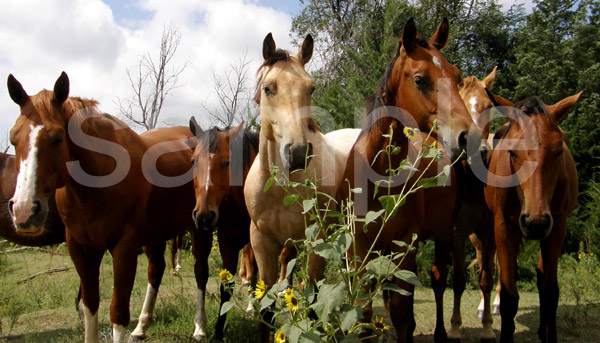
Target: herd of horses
[84,177]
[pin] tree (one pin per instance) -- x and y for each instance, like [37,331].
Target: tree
[152,82]
[234,97]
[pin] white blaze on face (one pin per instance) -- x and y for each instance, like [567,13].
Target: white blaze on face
[208,173]
[437,62]
[25,189]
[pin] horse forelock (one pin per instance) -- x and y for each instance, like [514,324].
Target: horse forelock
[277,56]
[210,142]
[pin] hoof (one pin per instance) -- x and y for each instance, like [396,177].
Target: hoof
[136,339]
[453,340]
[488,340]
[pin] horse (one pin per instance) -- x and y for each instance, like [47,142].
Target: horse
[176,244]
[115,190]
[418,87]
[222,158]
[532,188]
[288,135]
[474,219]
[54,229]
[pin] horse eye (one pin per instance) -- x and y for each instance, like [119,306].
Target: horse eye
[312,90]
[512,154]
[225,164]
[419,81]
[58,137]
[267,90]
[193,160]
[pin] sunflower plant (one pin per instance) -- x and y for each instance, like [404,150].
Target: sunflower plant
[332,310]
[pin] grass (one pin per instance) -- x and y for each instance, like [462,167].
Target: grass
[43,309]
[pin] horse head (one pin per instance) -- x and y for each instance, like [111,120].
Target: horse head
[40,151]
[284,92]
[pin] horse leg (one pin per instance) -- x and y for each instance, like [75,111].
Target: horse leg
[496,304]
[439,277]
[124,267]
[246,266]
[201,246]
[547,281]
[87,263]
[156,269]
[229,254]
[507,242]
[401,306]
[486,283]
[478,249]
[267,250]
[458,282]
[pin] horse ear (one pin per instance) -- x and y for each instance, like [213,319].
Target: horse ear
[498,101]
[440,37]
[306,50]
[16,91]
[268,46]
[194,127]
[233,133]
[561,108]
[489,80]
[61,88]
[409,35]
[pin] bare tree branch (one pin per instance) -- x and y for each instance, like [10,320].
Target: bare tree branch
[152,82]
[233,96]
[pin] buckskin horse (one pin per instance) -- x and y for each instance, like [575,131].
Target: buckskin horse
[532,188]
[115,190]
[418,87]
[288,135]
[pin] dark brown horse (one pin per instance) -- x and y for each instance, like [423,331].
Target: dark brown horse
[532,189]
[54,229]
[418,87]
[115,191]
[221,160]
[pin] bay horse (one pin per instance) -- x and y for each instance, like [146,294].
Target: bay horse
[418,87]
[474,220]
[532,188]
[288,134]
[222,158]
[54,229]
[115,190]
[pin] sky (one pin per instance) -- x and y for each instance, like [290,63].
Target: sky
[96,41]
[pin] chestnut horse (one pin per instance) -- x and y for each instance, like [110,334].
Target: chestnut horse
[419,86]
[474,219]
[288,135]
[107,181]
[532,189]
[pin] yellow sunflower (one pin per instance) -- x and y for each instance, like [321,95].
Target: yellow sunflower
[261,290]
[379,326]
[280,336]
[225,275]
[290,300]
[410,133]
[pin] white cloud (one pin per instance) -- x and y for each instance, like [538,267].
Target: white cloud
[42,38]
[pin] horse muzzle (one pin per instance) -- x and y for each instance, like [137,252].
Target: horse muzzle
[297,155]
[28,218]
[205,220]
[535,227]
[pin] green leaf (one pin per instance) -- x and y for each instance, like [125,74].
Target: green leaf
[290,199]
[432,181]
[350,316]
[290,267]
[356,190]
[353,338]
[311,232]
[381,266]
[226,307]
[408,276]
[308,337]
[371,216]
[308,204]
[329,299]
[389,286]
[269,183]
[328,252]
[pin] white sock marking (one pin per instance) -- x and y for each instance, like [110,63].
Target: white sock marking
[200,318]
[147,310]
[119,333]
[90,323]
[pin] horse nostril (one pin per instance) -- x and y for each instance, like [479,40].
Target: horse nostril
[11,204]
[523,219]
[462,140]
[310,149]
[37,207]
[211,216]
[195,216]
